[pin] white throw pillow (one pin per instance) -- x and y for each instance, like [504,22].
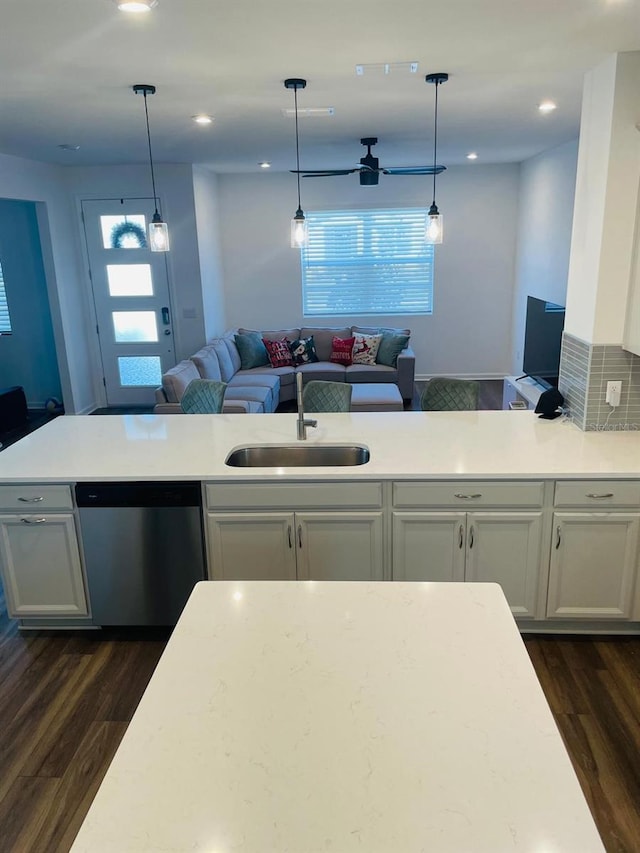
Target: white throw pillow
[365,349]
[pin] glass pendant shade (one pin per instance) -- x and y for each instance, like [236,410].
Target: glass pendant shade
[433,231]
[298,230]
[158,234]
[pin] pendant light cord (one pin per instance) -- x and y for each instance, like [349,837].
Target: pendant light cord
[435,143]
[153,180]
[295,98]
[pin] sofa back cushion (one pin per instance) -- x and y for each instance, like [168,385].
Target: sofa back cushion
[224,358]
[323,338]
[377,330]
[274,334]
[175,380]
[206,360]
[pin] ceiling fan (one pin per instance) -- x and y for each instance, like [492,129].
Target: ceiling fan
[370,168]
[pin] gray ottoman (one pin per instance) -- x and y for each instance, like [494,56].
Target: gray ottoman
[376,397]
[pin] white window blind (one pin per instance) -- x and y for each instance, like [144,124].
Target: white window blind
[5,320]
[367,262]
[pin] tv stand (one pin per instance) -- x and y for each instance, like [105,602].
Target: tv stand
[521,388]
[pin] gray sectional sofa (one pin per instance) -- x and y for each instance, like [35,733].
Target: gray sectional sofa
[261,389]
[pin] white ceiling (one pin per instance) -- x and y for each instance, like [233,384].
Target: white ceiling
[67,67]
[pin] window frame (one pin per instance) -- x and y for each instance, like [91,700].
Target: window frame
[4,307]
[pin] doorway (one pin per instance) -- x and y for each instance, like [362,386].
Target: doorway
[130,288]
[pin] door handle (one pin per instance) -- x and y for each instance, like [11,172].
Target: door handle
[289,536]
[33,520]
[558,537]
[461,536]
[471,537]
[299,536]
[165,316]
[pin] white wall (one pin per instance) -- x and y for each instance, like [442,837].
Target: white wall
[31,181]
[176,193]
[545,216]
[28,354]
[205,192]
[469,332]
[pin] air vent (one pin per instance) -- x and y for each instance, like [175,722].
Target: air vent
[309,112]
[386,68]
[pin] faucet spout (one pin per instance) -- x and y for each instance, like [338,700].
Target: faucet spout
[302,422]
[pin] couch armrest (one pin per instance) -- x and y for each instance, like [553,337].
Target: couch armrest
[406,372]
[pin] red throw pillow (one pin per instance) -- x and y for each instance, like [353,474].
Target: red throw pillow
[341,350]
[279,353]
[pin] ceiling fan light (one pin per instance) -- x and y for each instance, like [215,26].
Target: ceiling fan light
[136,7]
[434,229]
[298,230]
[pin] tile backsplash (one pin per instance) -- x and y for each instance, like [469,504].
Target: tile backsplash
[585,370]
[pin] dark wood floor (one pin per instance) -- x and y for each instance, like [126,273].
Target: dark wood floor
[66,700]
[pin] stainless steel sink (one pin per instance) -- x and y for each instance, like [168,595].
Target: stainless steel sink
[298,456]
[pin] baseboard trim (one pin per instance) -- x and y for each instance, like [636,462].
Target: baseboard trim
[424,377]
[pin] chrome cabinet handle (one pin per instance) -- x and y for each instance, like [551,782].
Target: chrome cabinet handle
[467,497]
[299,536]
[31,500]
[289,536]
[471,537]
[461,536]
[33,520]
[599,496]
[558,537]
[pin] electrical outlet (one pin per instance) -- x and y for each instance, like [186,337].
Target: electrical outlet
[614,389]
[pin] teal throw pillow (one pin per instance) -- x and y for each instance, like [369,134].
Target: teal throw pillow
[253,352]
[390,348]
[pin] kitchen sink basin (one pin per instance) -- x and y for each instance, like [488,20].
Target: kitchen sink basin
[298,456]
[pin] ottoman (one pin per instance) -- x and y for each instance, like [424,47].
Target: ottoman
[376,397]
[13,408]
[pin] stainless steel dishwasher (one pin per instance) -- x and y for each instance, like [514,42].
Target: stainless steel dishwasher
[143,549]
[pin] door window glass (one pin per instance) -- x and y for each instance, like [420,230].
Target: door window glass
[139,370]
[124,232]
[129,280]
[135,327]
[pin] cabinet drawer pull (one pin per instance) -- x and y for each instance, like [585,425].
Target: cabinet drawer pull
[33,520]
[558,537]
[289,536]
[299,536]
[471,537]
[598,496]
[468,497]
[461,536]
[31,500]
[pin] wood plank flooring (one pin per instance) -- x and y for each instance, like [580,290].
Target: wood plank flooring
[66,699]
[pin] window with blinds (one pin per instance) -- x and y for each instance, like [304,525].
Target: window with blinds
[5,320]
[367,262]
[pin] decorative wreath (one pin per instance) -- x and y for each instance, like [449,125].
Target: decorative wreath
[124,229]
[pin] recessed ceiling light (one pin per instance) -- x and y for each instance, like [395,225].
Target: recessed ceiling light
[67,146]
[547,107]
[264,165]
[202,118]
[472,155]
[136,6]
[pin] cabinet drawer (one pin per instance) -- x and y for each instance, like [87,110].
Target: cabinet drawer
[292,495]
[468,494]
[597,493]
[35,498]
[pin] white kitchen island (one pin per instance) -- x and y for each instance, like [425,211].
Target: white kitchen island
[342,717]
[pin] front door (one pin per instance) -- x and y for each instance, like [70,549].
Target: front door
[131,297]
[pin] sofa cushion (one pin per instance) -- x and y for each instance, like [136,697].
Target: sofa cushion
[206,360]
[255,393]
[248,379]
[341,350]
[390,348]
[252,351]
[365,348]
[370,373]
[233,351]
[377,330]
[303,351]
[175,380]
[224,358]
[274,334]
[323,338]
[278,352]
[325,370]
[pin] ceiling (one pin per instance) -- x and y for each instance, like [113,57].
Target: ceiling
[67,67]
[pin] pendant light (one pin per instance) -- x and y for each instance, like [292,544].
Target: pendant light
[298,223]
[158,231]
[433,232]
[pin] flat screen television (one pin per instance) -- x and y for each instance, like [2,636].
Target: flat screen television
[542,341]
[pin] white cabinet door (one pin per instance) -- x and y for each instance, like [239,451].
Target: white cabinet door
[41,567]
[344,546]
[593,565]
[252,546]
[504,548]
[428,546]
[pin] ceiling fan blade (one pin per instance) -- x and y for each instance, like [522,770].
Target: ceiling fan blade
[322,173]
[414,170]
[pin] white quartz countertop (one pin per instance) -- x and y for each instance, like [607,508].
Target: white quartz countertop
[342,717]
[402,444]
